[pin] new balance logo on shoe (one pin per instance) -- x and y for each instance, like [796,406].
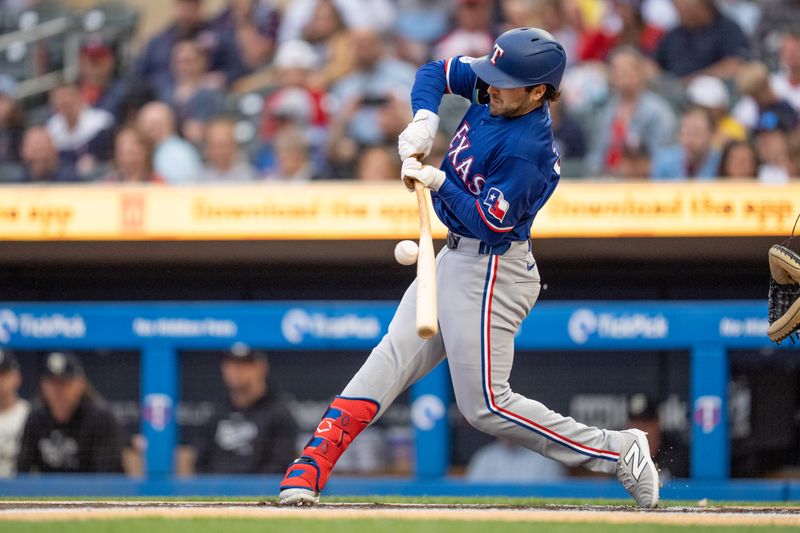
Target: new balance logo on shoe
[637,460]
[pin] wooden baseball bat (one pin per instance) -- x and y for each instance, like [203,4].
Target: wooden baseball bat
[427,314]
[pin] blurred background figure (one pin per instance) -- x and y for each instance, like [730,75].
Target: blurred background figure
[187,92]
[81,134]
[670,452]
[40,161]
[505,462]
[13,413]
[12,123]
[225,64]
[694,156]
[634,162]
[254,25]
[705,42]
[776,164]
[133,159]
[97,77]
[292,158]
[175,159]
[474,32]
[712,94]
[71,430]
[632,114]
[377,76]
[225,161]
[738,161]
[760,106]
[378,163]
[255,432]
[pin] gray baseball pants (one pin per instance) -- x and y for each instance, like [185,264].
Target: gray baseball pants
[482,300]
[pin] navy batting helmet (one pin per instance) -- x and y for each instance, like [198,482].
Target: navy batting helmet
[522,57]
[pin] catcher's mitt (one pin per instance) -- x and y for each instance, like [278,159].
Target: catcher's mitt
[784,294]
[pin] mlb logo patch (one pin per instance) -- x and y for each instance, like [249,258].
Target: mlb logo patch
[498,206]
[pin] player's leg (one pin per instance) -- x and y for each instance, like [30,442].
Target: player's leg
[481,355]
[401,358]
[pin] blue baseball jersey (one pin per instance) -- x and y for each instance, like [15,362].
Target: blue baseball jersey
[500,170]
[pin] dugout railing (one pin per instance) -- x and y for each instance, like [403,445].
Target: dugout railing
[159,331]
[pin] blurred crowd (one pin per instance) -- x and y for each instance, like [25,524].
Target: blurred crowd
[277,90]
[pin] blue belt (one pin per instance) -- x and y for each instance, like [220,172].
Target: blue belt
[483,249]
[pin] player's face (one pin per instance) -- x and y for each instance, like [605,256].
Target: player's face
[512,102]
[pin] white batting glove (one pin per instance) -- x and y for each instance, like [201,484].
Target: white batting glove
[431,177]
[417,138]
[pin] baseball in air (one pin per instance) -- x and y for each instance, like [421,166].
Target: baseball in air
[406,252]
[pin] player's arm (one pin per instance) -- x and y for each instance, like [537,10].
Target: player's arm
[512,186]
[433,80]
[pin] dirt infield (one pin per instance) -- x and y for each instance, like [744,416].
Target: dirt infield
[65,510]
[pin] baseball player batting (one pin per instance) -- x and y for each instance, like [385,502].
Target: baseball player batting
[501,168]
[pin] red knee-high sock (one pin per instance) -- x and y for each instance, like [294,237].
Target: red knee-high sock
[342,422]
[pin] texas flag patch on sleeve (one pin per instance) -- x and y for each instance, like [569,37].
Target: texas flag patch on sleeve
[497,204]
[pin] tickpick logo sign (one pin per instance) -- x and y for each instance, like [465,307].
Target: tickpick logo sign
[33,326]
[584,323]
[298,324]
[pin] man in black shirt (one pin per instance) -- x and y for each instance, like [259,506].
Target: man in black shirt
[254,432]
[705,42]
[69,431]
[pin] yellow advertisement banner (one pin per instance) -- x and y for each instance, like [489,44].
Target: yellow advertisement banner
[346,210]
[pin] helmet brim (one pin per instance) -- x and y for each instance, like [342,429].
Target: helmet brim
[494,76]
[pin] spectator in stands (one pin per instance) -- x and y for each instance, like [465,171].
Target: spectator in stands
[712,94]
[778,17]
[634,162]
[378,163]
[419,24]
[505,462]
[293,163]
[738,161]
[175,159]
[473,34]
[705,42]
[71,431]
[225,161]
[786,82]
[297,100]
[760,107]
[622,25]
[82,134]
[255,431]
[133,159]
[12,121]
[376,78]
[40,161]
[632,114]
[187,91]
[224,62]
[13,413]
[561,18]
[324,28]
[568,134]
[694,156]
[776,164]
[96,77]
[254,24]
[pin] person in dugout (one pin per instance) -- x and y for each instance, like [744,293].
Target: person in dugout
[70,430]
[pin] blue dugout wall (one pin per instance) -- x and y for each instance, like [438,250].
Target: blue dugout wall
[159,330]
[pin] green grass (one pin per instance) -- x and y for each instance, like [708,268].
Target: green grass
[246,525]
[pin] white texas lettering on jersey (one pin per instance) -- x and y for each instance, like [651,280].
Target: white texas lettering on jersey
[458,144]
